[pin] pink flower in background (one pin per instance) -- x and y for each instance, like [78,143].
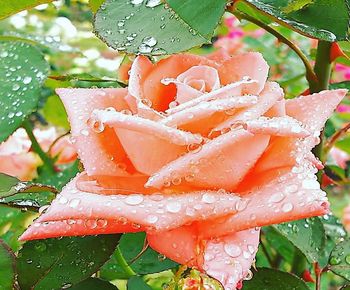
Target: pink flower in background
[339,157]
[342,73]
[198,153]
[18,160]
[342,108]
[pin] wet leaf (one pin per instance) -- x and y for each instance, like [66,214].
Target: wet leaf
[95,4]
[94,284]
[64,262]
[322,19]
[12,7]
[149,262]
[154,27]
[7,267]
[339,260]
[22,72]
[137,283]
[308,235]
[267,279]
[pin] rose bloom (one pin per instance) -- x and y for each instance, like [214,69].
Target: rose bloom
[17,159]
[196,152]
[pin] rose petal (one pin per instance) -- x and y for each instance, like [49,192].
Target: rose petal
[290,196]
[315,109]
[136,100]
[169,142]
[226,259]
[269,96]
[196,119]
[154,212]
[221,163]
[171,67]
[277,126]
[250,64]
[100,152]
[232,90]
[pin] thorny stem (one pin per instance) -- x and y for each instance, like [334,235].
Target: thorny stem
[310,74]
[334,139]
[48,162]
[122,263]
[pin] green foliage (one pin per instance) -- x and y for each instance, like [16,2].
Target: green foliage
[94,284]
[137,283]
[60,263]
[21,78]
[7,267]
[322,19]
[340,259]
[148,262]
[307,235]
[267,279]
[11,7]
[157,28]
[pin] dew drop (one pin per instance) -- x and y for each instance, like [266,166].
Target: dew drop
[134,199]
[232,250]
[173,207]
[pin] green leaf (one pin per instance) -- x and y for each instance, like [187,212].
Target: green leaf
[95,4]
[60,178]
[339,260]
[94,284]
[307,235]
[344,144]
[55,113]
[7,267]
[156,28]
[149,262]
[335,172]
[267,279]
[322,19]
[340,85]
[137,283]
[7,184]
[22,72]
[61,263]
[12,7]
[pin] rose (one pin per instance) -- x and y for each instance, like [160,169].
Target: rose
[17,159]
[199,153]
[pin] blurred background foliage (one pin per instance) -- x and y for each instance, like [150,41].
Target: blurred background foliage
[63,32]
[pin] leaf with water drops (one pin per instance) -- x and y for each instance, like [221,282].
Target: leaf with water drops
[94,284]
[137,283]
[267,279]
[7,267]
[339,260]
[322,19]
[131,245]
[154,27]
[12,7]
[64,262]
[22,72]
[308,235]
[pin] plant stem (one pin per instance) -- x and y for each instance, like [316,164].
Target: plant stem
[48,162]
[310,74]
[323,72]
[122,263]
[322,67]
[318,273]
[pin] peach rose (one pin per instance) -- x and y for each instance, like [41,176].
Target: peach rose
[17,159]
[199,154]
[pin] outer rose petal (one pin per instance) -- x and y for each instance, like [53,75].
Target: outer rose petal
[227,258]
[221,163]
[250,64]
[315,109]
[99,152]
[155,212]
[160,144]
[291,196]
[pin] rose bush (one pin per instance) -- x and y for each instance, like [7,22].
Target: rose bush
[18,160]
[197,152]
